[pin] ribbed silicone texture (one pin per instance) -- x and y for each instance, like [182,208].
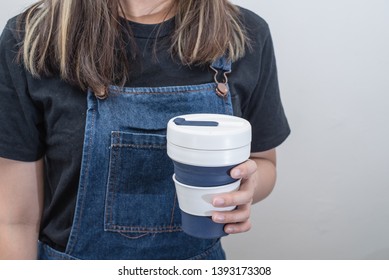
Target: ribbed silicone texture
[203,176]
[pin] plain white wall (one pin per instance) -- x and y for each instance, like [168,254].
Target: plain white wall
[332,196]
[11,9]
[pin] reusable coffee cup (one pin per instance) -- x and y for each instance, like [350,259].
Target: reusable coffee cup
[198,200]
[204,148]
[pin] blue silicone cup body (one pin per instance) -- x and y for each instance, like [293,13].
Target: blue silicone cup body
[207,177]
[200,176]
[201,226]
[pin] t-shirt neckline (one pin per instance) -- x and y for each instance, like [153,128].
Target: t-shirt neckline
[141,30]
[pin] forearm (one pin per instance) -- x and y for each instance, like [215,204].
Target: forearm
[21,203]
[18,241]
[264,178]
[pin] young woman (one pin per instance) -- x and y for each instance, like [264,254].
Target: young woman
[79,77]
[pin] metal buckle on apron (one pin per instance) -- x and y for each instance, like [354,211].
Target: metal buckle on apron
[221,87]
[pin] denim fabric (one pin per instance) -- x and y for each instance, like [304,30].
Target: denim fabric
[126,205]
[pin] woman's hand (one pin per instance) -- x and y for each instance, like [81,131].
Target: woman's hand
[258,176]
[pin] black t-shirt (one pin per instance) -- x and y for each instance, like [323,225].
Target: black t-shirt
[46,117]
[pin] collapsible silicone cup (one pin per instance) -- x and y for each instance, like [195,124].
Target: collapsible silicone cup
[204,148]
[196,208]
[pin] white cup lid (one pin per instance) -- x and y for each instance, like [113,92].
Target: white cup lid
[208,132]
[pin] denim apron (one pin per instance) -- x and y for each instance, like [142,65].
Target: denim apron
[126,205]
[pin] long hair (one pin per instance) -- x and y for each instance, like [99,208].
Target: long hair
[84,41]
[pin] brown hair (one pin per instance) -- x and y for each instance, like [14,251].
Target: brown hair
[83,40]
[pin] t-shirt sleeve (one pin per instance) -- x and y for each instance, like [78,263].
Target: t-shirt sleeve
[20,119]
[260,100]
[265,110]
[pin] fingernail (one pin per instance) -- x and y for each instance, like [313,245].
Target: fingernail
[229,230]
[236,173]
[219,218]
[218,202]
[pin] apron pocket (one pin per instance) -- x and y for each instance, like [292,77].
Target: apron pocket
[140,195]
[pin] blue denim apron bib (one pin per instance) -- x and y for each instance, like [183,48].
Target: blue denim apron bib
[126,205]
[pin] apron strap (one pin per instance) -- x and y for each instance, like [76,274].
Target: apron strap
[222,64]
[221,67]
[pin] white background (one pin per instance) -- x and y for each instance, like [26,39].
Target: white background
[332,196]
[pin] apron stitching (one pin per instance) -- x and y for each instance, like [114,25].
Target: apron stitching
[111,185]
[118,91]
[115,186]
[138,229]
[133,237]
[161,147]
[174,206]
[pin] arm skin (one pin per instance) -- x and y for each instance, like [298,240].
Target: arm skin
[21,201]
[258,179]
